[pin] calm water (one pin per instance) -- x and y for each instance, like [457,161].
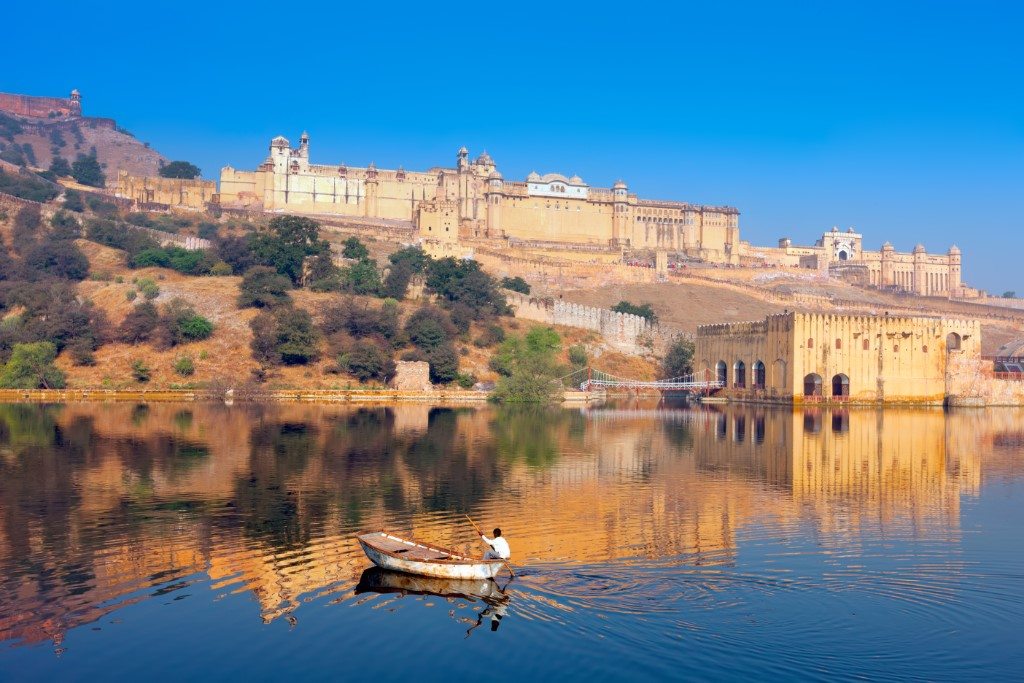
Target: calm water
[200,542]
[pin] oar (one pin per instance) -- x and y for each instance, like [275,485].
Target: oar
[480,533]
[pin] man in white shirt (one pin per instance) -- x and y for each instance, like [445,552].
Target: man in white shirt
[499,547]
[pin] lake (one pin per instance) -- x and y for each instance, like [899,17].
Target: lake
[650,541]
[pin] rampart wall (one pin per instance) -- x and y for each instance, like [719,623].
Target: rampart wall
[622,331]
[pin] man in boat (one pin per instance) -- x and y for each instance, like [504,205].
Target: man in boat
[499,547]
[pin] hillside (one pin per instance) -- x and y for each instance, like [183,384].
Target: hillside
[116,149]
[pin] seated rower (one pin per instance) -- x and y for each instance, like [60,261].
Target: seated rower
[499,547]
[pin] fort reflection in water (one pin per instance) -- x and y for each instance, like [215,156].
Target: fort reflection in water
[100,504]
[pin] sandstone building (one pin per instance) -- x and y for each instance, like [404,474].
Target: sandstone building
[42,107]
[473,199]
[806,358]
[149,192]
[843,254]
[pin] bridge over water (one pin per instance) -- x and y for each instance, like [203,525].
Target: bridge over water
[590,379]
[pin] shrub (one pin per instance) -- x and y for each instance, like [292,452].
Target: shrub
[678,359]
[185,366]
[397,281]
[31,367]
[516,284]
[180,324]
[221,269]
[492,334]
[531,370]
[59,166]
[82,353]
[322,275]
[102,207]
[131,295]
[285,335]
[140,323]
[207,230]
[360,319]
[642,310]
[263,287]
[444,364]
[236,252]
[429,327]
[112,234]
[27,186]
[354,249]
[141,371]
[65,226]
[362,278]
[86,170]
[368,360]
[465,380]
[27,223]
[152,257]
[149,288]
[578,355]
[62,259]
[73,201]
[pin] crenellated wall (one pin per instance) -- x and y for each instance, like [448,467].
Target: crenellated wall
[622,331]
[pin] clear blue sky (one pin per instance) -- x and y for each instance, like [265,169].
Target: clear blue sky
[905,120]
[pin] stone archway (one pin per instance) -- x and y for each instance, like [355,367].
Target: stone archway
[721,372]
[841,385]
[758,374]
[953,341]
[739,374]
[812,384]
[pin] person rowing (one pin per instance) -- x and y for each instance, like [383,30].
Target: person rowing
[499,547]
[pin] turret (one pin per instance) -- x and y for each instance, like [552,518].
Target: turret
[954,268]
[887,279]
[495,198]
[920,277]
[620,217]
[462,160]
[304,145]
[76,102]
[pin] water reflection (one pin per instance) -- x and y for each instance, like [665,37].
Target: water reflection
[105,506]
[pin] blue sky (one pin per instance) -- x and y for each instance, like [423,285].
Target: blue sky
[905,120]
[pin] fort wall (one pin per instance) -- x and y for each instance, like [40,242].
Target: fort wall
[148,192]
[40,107]
[622,331]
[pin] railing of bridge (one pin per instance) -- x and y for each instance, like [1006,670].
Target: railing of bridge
[588,379]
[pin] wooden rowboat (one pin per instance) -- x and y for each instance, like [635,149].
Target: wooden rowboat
[411,557]
[377,580]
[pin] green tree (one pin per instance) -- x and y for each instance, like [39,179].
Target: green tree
[397,281]
[179,169]
[413,257]
[185,366]
[429,327]
[141,371]
[286,243]
[285,336]
[60,167]
[31,367]
[60,258]
[516,284]
[140,323]
[87,170]
[532,370]
[444,363]
[642,310]
[368,360]
[462,281]
[362,277]
[354,249]
[678,359]
[73,201]
[263,287]
[578,355]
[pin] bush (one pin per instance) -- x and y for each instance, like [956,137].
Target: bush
[466,381]
[444,364]
[368,360]
[516,284]
[360,319]
[102,207]
[112,234]
[73,201]
[148,288]
[27,186]
[263,287]
[362,278]
[65,226]
[185,366]
[678,359]
[354,249]
[61,259]
[642,310]
[322,275]
[492,334]
[27,223]
[531,371]
[152,257]
[236,252]
[140,323]
[31,367]
[207,230]
[141,371]
[82,354]
[221,269]
[578,355]
[59,167]
[131,295]
[180,324]
[429,327]
[284,336]
[87,171]
[397,281]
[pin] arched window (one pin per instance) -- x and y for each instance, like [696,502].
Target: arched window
[759,375]
[866,344]
[924,349]
[812,384]
[739,374]
[839,343]
[720,372]
[840,385]
[952,341]
[810,342]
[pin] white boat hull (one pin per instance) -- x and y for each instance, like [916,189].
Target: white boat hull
[485,569]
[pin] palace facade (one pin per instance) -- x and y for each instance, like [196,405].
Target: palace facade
[810,357]
[473,199]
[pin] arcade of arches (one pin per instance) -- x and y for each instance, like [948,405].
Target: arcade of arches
[804,357]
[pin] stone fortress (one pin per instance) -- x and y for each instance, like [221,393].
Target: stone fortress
[473,201]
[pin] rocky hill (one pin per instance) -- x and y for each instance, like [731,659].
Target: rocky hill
[32,135]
